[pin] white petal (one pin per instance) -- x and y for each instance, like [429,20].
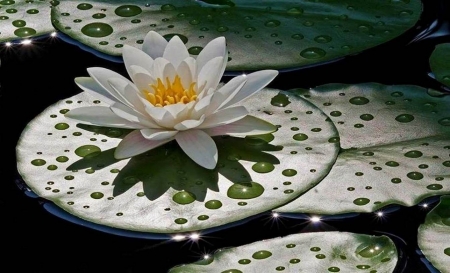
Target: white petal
[169,72]
[133,56]
[101,116]
[189,124]
[175,51]
[185,73]
[161,116]
[134,143]
[143,82]
[210,75]
[225,93]
[176,109]
[215,48]
[248,125]
[224,117]
[133,116]
[154,44]
[130,93]
[157,134]
[158,68]
[200,107]
[255,82]
[199,147]
[102,75]
[89,85]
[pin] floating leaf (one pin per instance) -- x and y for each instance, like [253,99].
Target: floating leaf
[440,63]
[163,191]
[434,235]
[298,33]
[24,19]
[395,140]
[306,252]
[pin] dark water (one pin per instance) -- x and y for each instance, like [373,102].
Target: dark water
[35,240]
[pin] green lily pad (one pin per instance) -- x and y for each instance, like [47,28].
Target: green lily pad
[434,235]
[306,252]
[395,140]
[22,19]
[298,33]
[440,63]
[163,191]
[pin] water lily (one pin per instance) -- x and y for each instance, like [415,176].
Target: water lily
[172,96]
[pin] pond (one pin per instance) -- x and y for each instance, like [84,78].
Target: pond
[374,114]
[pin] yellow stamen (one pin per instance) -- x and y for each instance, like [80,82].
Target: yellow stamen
[170,93]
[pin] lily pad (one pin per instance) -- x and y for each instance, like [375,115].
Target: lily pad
[306,252]
[299,33]
[396,143]
[440,63]
[22,19]
[434,235]
[163,191]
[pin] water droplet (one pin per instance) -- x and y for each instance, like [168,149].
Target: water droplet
[320,256]
[203,217]
[280,100]
[414,175]
[97,195]
[7,2]
[289,172]
[98,15]
[323,39]
[168,7]
[335,114]
[11,11]
[444,121]
[334,139]
[396,180]
[232,271]
[315,249]
[434,187]
[279,268]
[447,251]
[263,167]
[195,50]
[88,151]
[361,201]
[366,117]
[19,23]
[69,177]
[62,159]
[262,254]
[222,29]
[247,190]
[392,164]
[180,221]
[313,53]
[308,23]
[316,130]
[359,101]
[334,269]
[272,23]
[213,204]
[38,162]
[404,118]
[97,30]
[84,6]
[184,197]
[294,261]
[244,261]
[300,137]
[24,32]
[413,154]
[127,10]
[295,11]
[363,266]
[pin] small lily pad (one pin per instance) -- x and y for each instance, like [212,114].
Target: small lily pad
[299,33]
[22,19]
[440,63]
[73,165]
[306,252]
[395,140]
[434,235]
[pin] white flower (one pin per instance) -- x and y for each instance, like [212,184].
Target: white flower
[173,96]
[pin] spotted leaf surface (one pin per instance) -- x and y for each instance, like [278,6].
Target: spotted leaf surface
[396,143]
[163,191]
[433,235]
[440,63]
[20,19]
[307,252]
[299,33]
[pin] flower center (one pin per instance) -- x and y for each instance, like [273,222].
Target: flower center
[171,93]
